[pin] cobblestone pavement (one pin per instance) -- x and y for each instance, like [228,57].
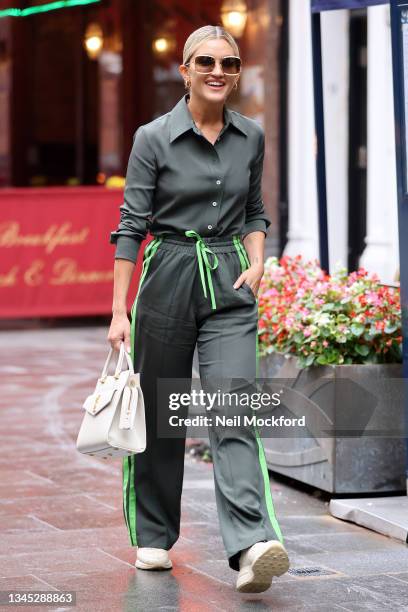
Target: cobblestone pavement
[61,524]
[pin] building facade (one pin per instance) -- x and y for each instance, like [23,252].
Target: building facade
[77,82]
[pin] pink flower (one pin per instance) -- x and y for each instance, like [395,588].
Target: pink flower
[293,292]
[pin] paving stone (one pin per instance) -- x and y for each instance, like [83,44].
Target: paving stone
[342,542]
[347,592]
[359,563]
[33,540]
[23,583]
[302,546]
[399,576]
[382,589]
[316,525]
[83,560]
[19,526]
[116,582]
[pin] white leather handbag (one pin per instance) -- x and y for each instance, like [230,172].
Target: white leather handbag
[114,421]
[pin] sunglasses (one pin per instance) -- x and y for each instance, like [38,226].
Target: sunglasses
[204,64]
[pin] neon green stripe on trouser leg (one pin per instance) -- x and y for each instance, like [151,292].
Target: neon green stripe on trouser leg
[128,484]
[243,257]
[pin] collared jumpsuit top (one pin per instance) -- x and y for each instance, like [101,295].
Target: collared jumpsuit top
[177,180]
[190,193]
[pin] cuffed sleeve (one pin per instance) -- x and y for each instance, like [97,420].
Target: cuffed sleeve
[138,198]
[127,248]
[256,218]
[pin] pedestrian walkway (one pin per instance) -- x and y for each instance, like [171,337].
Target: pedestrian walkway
[61,524]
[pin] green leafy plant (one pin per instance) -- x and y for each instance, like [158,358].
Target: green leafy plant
[327,319]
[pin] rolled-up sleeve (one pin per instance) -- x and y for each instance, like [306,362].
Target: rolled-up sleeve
[256,218]
[138,198]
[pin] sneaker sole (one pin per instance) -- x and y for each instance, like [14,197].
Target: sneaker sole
[151,566]
[273,561]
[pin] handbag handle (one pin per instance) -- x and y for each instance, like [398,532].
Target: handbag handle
[119,363]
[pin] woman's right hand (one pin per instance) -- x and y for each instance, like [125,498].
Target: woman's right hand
[119,331]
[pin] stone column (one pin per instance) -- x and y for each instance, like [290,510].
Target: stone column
[381,253]
[335,52]
[302,233]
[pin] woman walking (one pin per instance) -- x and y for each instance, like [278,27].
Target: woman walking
[194,181]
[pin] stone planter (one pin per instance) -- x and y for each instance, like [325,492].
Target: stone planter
[370,398]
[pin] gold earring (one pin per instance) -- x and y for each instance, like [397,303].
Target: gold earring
[187,84]
[235,85]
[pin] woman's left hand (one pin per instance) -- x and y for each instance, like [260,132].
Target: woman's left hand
[252,277]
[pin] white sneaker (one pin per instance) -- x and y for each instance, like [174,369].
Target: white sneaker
[259,563]
[153,559]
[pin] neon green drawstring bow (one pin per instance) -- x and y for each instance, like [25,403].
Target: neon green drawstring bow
[203,252]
